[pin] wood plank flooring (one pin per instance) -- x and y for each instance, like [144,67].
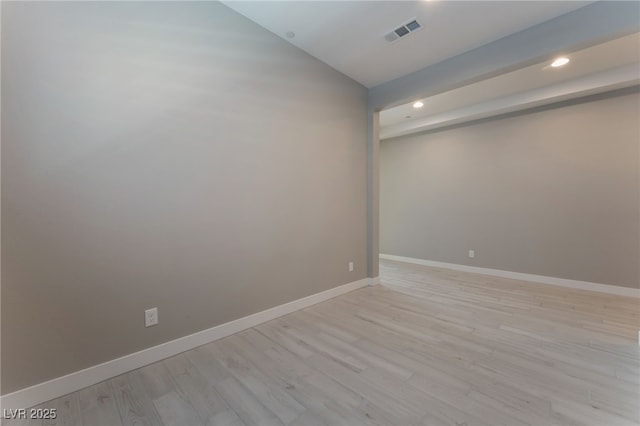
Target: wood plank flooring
[427,347]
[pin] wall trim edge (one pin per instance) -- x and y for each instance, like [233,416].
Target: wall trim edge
[541,279]
[60,386]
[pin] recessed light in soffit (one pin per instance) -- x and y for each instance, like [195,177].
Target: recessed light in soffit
[558,62]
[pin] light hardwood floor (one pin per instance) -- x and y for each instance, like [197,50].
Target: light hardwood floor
[428,346]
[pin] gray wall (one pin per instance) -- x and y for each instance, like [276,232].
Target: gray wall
[554,193]
[169,155]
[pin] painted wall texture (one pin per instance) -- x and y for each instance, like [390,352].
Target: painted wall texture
[170,155]
[553,193]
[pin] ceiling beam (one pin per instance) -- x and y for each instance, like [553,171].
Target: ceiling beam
[613,79]
[592,24]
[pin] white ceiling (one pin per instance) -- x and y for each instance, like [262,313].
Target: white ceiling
[596,64]
[349,35]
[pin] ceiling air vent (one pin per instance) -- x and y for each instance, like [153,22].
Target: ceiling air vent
[403,30]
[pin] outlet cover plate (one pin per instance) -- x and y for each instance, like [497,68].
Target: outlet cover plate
[151,317]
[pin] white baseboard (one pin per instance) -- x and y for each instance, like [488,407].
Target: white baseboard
[562,282]
[374,281]
[60,386]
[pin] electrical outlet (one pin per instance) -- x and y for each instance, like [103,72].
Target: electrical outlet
[472,253]
[350,266]
[150,317]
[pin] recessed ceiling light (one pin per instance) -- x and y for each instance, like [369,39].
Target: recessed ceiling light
[558,62]
[418,104]
[290,34]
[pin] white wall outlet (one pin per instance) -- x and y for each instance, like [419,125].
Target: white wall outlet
[350,266]
[472,253]
[150,317]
